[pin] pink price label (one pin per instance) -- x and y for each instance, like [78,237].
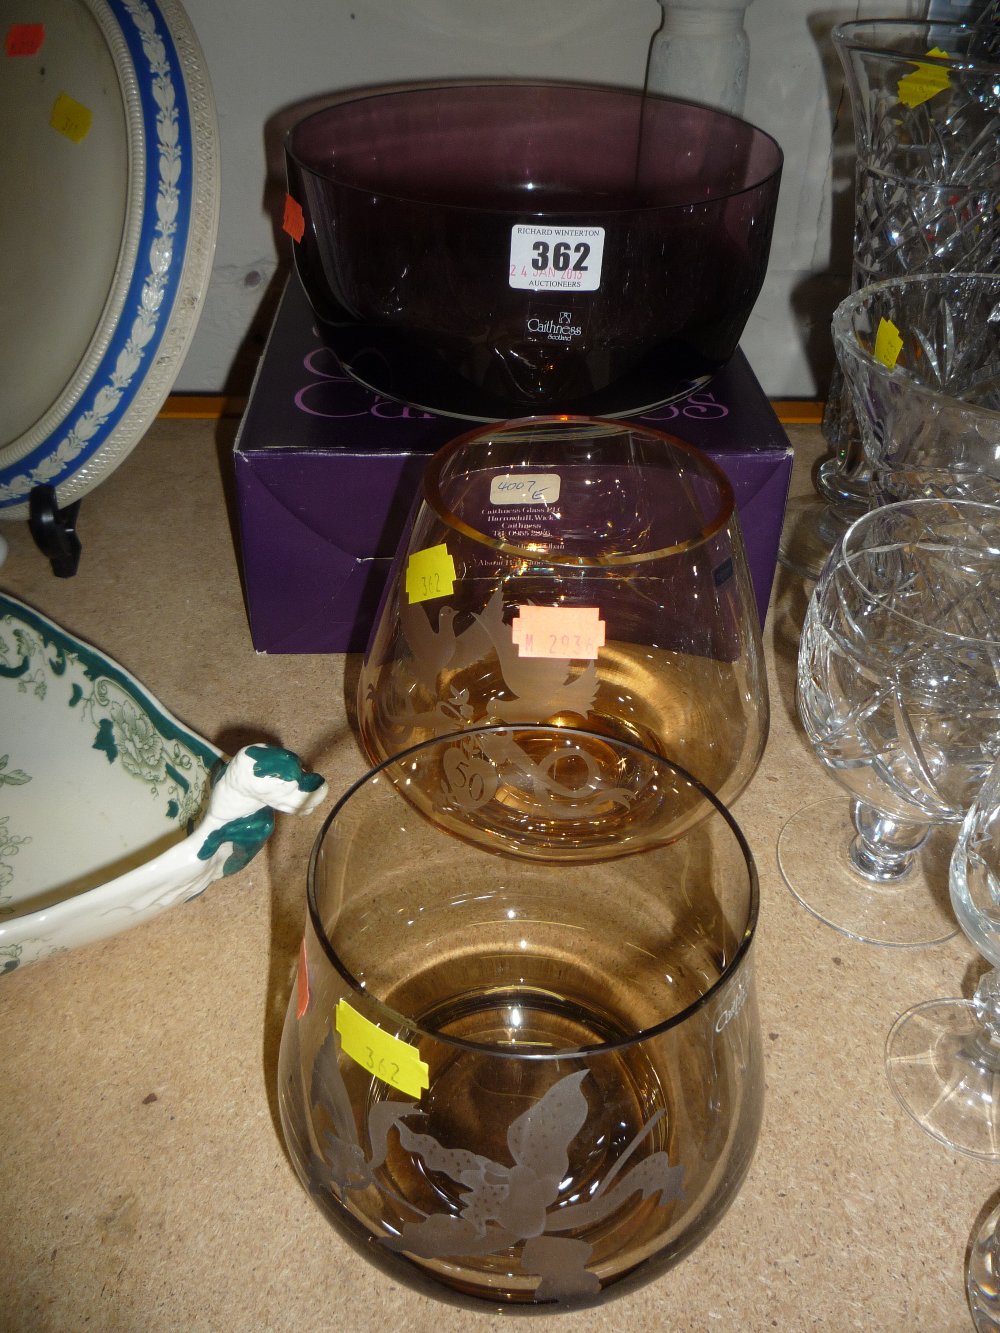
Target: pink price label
[558,631]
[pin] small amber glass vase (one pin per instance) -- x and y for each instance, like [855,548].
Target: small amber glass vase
[574,572]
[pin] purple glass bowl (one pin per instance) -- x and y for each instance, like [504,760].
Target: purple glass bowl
[489,248]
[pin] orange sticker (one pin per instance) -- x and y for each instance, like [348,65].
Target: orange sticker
[70,117]
[302,984]
[294,221]
[888,343]
[558,631]
[24,39]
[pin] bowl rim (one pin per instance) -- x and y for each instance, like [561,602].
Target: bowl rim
[855,543]
[847,342]
[734,964]
[726,515]
[519,208]
[861,35]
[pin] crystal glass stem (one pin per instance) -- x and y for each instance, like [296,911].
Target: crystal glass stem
[884,848]
[844,479]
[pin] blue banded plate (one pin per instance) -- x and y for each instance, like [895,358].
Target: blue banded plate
[109,154]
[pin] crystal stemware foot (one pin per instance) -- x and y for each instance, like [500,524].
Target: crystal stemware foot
[869,876]
[943,1061]
[943,1056]
[811,529]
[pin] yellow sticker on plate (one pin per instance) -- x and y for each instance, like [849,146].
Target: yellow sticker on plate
[888,343]
[925,82]
[558,631]
[393,1061]
[429,573]
[70,117]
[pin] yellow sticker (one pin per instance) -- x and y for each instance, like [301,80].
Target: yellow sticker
[393,1061]
[429,573]
[925,82]
[888,343]
[70,117]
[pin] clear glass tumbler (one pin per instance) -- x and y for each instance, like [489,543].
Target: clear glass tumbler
[522,1067]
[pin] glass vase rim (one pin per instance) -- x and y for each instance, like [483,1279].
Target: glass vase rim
[848,34]
[615,560]
[524,208]
[843,559]
[734,964]
[845,336]
[926,279]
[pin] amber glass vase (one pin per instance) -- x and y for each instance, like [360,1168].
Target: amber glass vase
[521,1068]
[574,572]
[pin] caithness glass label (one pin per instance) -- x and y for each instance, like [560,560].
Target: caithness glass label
[552,324]
[556,258]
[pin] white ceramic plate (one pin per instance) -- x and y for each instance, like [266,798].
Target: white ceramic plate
[95,776]
[107,813]
[108,217]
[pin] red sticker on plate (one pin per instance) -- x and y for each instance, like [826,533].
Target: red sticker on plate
[294,221]
[24,39]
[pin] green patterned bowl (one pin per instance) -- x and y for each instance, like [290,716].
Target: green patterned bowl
[110,809]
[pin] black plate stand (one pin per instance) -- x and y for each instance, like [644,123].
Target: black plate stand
[54,530]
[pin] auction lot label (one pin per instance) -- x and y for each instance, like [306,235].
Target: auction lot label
[556,258]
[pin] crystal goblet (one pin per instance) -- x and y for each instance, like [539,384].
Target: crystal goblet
[899,693]
[521,1067]
[575,571]
[925,98]
[943,1056]
[921,355]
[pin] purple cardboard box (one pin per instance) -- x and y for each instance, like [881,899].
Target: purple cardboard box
[326,473]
